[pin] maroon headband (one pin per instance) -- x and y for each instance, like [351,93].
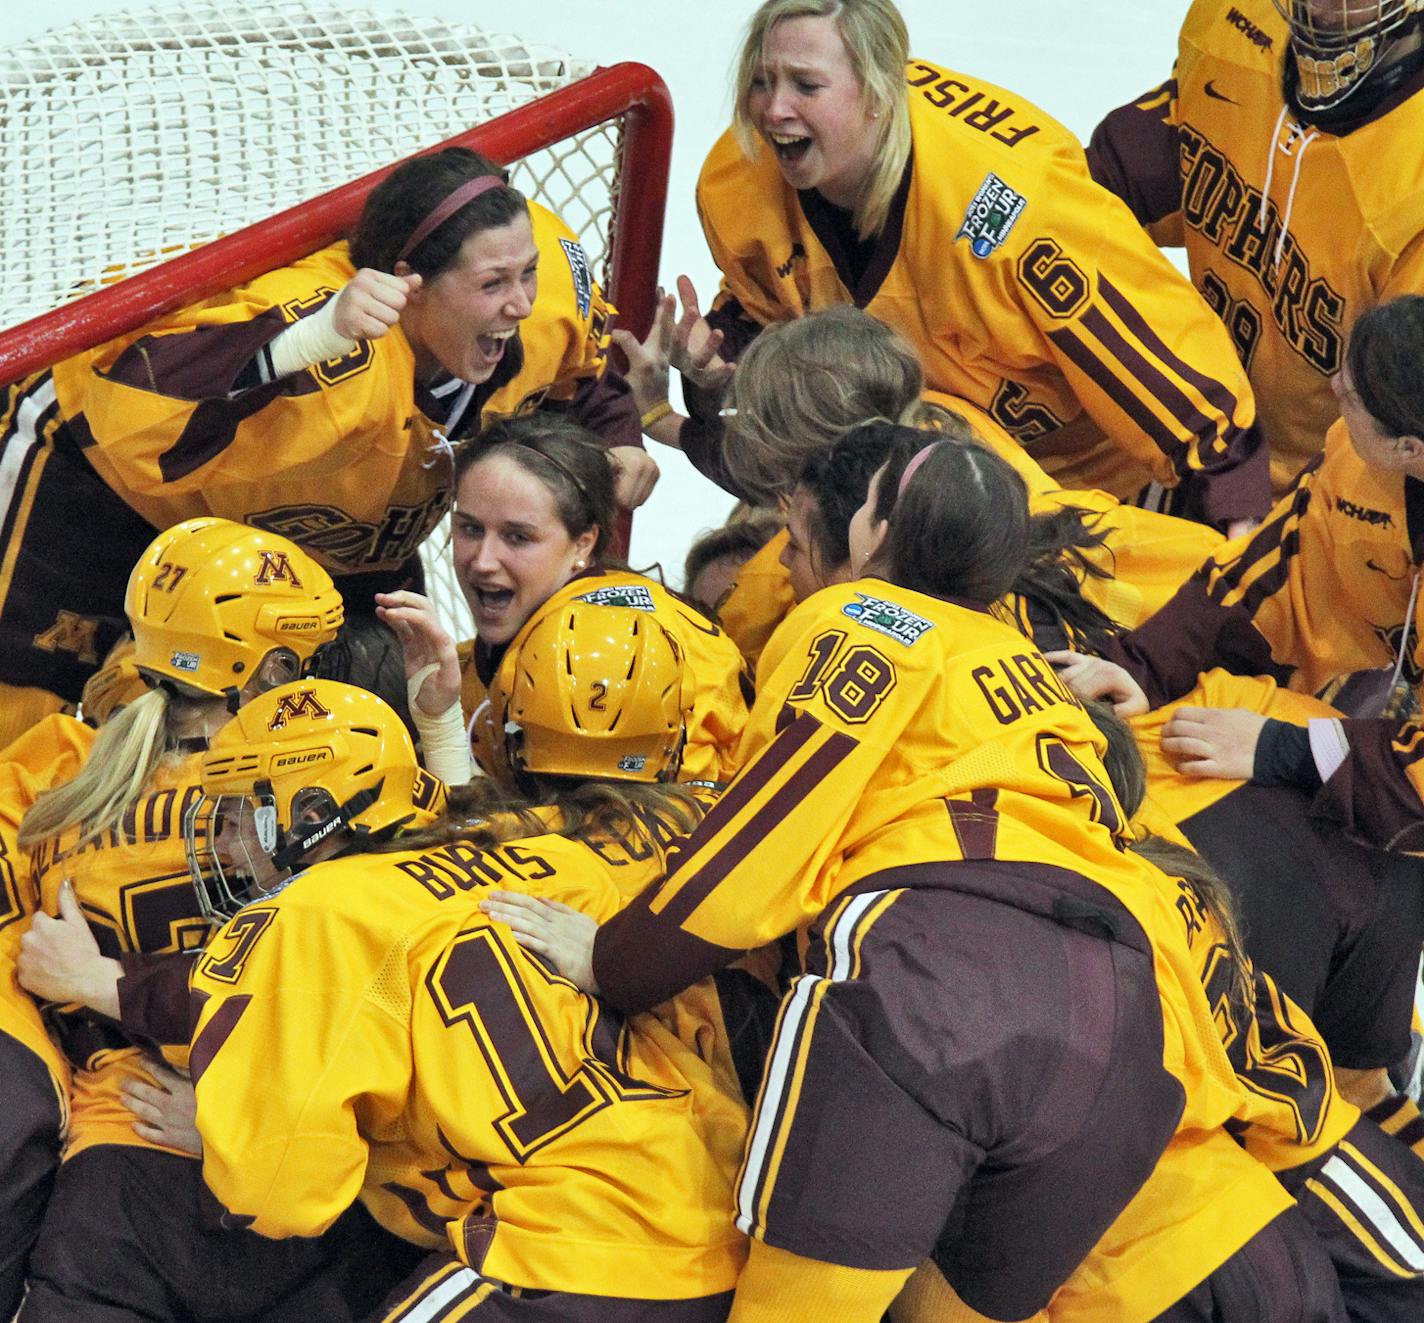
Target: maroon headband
[467,192]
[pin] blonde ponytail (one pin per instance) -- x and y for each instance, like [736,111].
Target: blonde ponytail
[129,748]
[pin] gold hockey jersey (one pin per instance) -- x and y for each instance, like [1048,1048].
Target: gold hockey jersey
[46,755]
[719,684]
[134,887]
[1291,230]
[1025,288]
[347,458]
[370,1031]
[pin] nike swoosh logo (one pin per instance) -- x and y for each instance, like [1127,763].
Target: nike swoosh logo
[1215,95]
[1380,569]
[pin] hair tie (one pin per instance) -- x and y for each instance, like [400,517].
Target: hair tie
[467,192]
[913,467]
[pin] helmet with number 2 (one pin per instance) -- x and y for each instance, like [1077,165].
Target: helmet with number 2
[1338,43]
[295,767]
[210,600]
[593,691]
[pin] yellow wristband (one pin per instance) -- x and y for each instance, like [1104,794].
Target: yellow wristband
[660,410]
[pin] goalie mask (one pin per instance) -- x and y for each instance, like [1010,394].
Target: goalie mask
[210,600]
[591,691]
[300,767]
[1339,43]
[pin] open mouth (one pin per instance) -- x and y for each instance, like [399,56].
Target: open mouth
[492,601]
[789,147]
[493,343]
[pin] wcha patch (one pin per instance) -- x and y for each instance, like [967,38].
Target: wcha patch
[625,594]
[888,618]
[991,216]
[185,661]
[583,276]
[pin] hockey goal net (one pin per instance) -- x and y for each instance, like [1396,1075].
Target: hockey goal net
[158,156]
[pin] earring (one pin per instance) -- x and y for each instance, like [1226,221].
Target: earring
[580,565]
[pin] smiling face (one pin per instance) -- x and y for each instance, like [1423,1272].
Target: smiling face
[511,549]
[462,320]
[799,556]
[807,104]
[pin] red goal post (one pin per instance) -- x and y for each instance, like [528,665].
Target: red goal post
[146,133]
[630,93]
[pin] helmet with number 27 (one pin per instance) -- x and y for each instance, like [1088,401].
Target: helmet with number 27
[211,601]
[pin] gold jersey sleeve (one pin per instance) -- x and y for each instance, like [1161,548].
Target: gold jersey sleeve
[1049,288]
[46,755]
[719,680]
[759,600]
[137,895]
[371,1032]
[348,458]
[1319,590]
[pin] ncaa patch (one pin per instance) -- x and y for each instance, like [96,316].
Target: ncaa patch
[991,215]
[184,661]
[630,594]
[888,618]
[583,276]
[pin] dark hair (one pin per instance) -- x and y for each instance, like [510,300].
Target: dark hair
[366,653]
[405,197]
[1384,356]
[565,457]
[837,478]
[741,537]
[1051,608]
[960,527]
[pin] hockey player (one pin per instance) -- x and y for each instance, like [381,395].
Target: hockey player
[220,612]
[1281,152]
[919,792]
[965,218]
[530,533]
[559,1161]
[318,401]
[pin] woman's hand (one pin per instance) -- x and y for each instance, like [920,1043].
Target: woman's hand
[425,644]
[371,302]
[563,936]
[694,347]
[1213,741]
[1093,678]
[648,359]
[165,1111]
[635,474]
[59,959]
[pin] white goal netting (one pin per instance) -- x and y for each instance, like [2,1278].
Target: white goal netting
[130,138]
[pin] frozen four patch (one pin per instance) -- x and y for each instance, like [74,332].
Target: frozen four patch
[185,661]
[583,277]
[888,618]
[626,594]
[991,215]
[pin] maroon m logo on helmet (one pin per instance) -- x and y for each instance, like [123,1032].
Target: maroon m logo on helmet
[304,703]
[276,568]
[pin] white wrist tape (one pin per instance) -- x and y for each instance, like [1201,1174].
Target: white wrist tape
[444,746]
[309,340]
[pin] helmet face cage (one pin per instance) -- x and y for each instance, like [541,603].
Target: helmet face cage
[1337,43]
[230,841]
